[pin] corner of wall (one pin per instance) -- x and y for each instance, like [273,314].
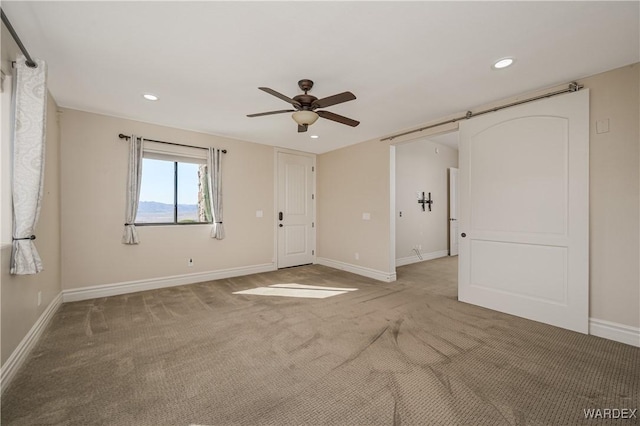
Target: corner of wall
[354,218]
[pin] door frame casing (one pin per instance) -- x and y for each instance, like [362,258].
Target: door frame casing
[453,235]
[276,199]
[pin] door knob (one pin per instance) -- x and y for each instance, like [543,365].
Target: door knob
[281,225]
[280,217]
[463,235]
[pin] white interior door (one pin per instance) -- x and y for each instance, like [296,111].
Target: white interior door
[295,217]
[453,211]
[524,211]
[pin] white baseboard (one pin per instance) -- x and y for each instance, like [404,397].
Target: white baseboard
[21,353]
[425,256]
[359,270]
[615,331]
[106,290]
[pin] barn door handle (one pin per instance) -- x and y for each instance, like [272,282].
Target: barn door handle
[452,219]
[281,225]
[280,216]
[463,235]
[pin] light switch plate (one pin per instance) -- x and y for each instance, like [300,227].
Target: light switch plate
[602,126]
[366,216]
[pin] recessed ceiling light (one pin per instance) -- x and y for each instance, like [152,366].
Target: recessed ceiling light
[150,97]
[314,136]
[503,63]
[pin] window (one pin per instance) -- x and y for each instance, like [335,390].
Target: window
[174,188]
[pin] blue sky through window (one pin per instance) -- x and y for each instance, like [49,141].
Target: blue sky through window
[157,182]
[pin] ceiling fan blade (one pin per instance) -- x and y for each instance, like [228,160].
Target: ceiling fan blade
[281,96]
[282,111]
[302,128]
[340,119]
[333,100]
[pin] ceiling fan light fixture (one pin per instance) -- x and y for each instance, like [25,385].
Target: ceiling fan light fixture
[304,117]
[304,114]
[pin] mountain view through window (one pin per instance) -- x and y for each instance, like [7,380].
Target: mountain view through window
[173,192]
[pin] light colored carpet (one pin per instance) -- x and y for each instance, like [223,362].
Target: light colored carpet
[404,353]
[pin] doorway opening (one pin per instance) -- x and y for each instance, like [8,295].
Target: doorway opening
[423,206]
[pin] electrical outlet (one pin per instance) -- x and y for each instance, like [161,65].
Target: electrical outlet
[357,256]
[190,263]
[39,298]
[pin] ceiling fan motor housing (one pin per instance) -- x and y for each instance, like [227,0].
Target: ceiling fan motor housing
[305,101]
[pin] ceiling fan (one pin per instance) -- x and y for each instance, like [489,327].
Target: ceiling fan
[305,113]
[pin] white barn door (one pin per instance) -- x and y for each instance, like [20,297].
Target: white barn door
[524,211]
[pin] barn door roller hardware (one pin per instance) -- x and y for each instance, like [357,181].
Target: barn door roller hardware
[573,87]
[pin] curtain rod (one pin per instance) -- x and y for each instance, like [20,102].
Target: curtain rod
[30,63]
[123,136]
[573,87]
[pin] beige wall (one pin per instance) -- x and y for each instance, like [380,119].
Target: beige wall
[614,196]
[352,181]
[419,168]
[93,179]
[19,294]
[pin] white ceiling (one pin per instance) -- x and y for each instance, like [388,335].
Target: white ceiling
[407,62]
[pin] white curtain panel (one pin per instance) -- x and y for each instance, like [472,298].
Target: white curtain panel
[134,178]
[214,163]
[28,163]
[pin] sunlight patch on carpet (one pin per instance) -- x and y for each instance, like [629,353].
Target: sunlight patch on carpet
[311,287]
[297,290]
